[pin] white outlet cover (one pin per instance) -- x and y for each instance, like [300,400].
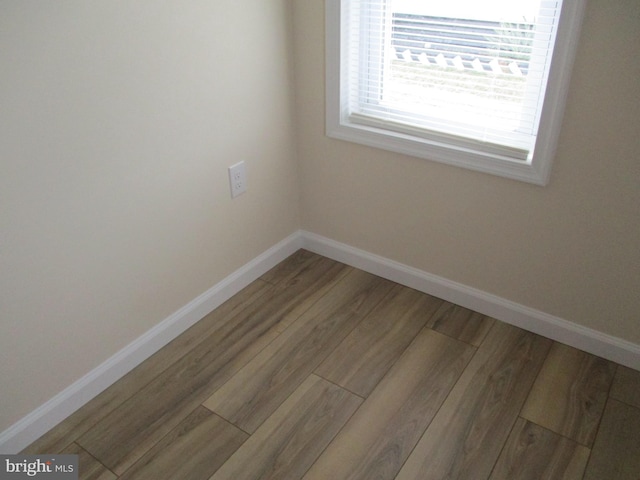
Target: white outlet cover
[238,179]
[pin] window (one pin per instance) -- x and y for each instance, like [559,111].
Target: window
[474,84]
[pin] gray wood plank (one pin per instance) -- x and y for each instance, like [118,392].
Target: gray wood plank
[262,385]
[286,445]
[132,429]
[626,386]
[468,432]
[570,393]
[193,450]
[381,434]
[291,268]
[461,323]
[89,468]
[535,453]
[616,452]
[375,344]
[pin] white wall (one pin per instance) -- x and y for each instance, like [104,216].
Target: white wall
[118,120]
[571,249]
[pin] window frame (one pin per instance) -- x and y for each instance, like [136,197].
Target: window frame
[535,171]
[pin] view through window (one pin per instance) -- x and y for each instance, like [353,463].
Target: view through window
[471,69]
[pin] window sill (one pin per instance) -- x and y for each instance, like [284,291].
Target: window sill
[447,153]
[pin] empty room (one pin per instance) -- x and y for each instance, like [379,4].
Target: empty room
[320,239]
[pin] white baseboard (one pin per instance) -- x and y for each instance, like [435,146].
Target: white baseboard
[555,328]
[38,422]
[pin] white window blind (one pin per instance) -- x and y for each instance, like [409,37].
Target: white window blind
[457,73]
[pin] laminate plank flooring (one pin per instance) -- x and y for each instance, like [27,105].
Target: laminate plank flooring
[374,345]
[89,467]
[535,453]
[203,438]
[286,445]
[570,393]
[468,432]
[319,370]
[616,452]
[461,323]
[260,387]
[284,275]
[626,386]
[128,432]
[378,439]
[87,416]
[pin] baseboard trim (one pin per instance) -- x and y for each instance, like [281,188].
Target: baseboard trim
[536,321]
[38,422]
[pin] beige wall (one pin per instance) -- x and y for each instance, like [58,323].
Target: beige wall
[571,249]
[118,120]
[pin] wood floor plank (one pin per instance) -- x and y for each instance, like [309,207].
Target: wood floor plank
[289,269]
[89,468]
[368,352]
[570,393]
[535,453]
[286,445]
[626,386]
[263,384]
[381,434]
[616,452]
[461,323]
[301,266]
[465,438]
[82,420]
[132,429]
[193,450]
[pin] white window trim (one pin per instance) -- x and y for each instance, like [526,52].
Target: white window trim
[535,171]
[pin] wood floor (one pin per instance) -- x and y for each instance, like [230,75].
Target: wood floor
[321,371]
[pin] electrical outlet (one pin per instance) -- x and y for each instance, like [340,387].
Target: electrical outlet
[238,179]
